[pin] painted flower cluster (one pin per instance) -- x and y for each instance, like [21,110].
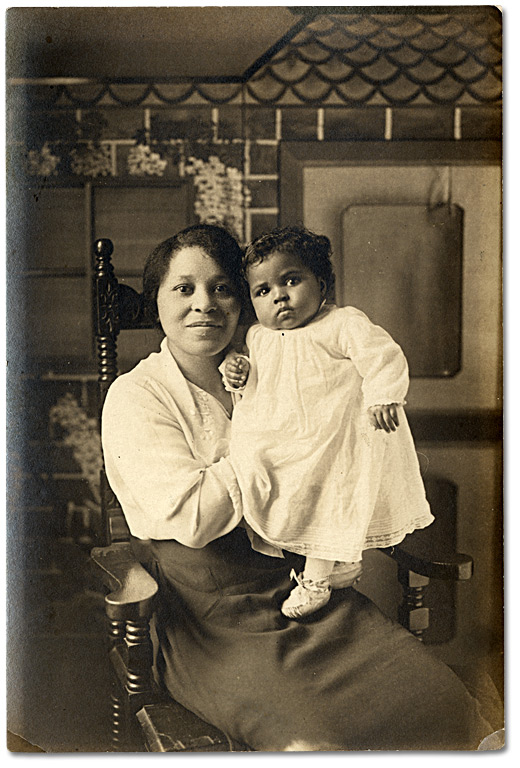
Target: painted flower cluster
[91,160]
[42,162]
[221,195]
[142,161]
[81,433]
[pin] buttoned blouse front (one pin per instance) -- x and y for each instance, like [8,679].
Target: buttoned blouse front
[165,445]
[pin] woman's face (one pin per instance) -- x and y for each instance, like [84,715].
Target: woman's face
[198,308]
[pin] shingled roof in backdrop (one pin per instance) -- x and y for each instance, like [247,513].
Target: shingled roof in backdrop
[339,58]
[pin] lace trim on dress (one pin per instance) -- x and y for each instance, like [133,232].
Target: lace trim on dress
[388,402]
[375,541]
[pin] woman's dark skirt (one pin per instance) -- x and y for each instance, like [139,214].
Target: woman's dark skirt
[345,677]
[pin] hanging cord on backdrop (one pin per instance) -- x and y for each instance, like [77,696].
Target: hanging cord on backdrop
[441,188]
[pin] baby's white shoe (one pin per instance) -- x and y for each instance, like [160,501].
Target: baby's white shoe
[307,597]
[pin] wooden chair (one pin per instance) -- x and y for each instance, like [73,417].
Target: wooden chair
[144,718]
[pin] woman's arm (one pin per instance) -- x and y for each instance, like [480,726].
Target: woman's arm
[165,491]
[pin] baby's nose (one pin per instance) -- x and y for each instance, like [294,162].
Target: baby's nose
[280,293]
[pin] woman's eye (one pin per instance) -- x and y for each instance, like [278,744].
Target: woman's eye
[183,289]
[223,288]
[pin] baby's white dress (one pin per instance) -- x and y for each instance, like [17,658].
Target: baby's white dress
[316,477]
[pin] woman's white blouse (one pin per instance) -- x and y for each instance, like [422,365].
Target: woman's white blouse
[165,443]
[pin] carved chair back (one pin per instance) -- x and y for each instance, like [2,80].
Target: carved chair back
[117,307]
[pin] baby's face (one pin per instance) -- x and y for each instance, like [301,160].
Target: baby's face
[285,293]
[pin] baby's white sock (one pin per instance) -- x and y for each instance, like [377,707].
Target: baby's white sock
[317,569]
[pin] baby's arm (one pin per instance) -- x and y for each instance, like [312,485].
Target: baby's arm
[236,370]
[384,417]
[383,367]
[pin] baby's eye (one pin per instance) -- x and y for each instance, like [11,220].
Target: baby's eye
[262,292]
[293,281]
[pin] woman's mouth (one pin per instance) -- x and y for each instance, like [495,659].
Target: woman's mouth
[204,324]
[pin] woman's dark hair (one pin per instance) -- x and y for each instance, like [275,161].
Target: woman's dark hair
[215,241]
[313,250]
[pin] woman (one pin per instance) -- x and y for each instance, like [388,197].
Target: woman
[345,677]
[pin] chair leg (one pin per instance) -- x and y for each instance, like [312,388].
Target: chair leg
[131,658]
[116,633]
[139,686]
[116,636]
[117,719]
[139,657]
[413,614]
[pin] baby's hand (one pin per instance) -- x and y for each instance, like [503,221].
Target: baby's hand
[237,371]
[384,417]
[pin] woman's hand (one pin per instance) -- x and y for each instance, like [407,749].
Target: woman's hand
[237,370]
[384,417]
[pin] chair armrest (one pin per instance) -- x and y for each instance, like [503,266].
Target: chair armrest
[421,553]
[132,587]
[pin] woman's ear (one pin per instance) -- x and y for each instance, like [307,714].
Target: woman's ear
[323,287]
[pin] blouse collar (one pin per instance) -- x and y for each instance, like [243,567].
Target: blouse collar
[185,391]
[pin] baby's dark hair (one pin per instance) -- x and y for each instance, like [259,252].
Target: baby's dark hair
[313,250]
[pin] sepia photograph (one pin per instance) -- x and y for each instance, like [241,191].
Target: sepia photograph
[211,548]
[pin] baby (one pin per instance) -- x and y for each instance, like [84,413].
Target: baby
[320,443]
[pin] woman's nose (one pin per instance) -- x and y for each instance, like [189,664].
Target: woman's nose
[203,301]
